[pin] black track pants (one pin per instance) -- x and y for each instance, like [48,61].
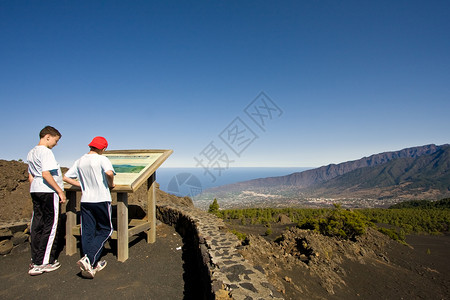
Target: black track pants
[44,224]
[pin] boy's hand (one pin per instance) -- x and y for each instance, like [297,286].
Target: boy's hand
[62,197]
[51,181]
[110,178]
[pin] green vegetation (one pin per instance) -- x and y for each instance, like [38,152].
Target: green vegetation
[411,220]
[396,236]
[265,216]
[423,204]
[430,217]
[241,236]
[268,231]
[214,207]
[338,222]
[128,168]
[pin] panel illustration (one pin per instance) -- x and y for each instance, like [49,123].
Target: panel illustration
[129,167]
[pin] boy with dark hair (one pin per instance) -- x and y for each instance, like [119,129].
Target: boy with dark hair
[96,176]
[47,191]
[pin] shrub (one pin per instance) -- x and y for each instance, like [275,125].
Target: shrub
[309,224]
[339,222]
[268,232]
[400,237]
[214,207]
[241,236]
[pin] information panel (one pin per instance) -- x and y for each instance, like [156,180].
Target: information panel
[129,167]
[133,167]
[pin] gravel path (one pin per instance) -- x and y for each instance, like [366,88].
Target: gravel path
[153,271]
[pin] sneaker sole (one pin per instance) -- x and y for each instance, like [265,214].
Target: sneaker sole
[85,270]
[35,273]
[51,269]
[87,274]
[82,265]
[97,269]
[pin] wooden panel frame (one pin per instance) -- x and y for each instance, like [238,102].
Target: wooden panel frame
[133,186]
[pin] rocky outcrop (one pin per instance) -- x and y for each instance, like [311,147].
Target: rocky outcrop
[15,198]
[13,236]
[301,259]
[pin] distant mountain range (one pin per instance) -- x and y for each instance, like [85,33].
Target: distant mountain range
[414,173]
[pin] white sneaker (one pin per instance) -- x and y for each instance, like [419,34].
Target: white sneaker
[88,273]
[84,263]
[35,270]
[100,266]
[86,269]
[51,267]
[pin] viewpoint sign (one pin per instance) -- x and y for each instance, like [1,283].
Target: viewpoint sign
[133,167]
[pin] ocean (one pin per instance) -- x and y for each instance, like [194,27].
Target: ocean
[192,181]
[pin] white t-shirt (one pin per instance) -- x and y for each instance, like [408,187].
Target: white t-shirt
[91,170]
[41,159]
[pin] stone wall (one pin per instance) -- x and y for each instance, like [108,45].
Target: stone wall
[222,272]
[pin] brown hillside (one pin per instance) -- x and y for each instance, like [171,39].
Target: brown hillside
[15,200]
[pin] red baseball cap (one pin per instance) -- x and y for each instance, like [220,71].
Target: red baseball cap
[99,142]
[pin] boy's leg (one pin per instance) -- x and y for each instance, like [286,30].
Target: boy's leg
[104,229]
[88,225]
[37,224]
[48,238]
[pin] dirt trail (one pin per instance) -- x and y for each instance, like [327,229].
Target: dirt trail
[153,271]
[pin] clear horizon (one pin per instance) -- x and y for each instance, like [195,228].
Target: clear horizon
[226,84]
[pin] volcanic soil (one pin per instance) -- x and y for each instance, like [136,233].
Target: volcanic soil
[306,265]
[301,264]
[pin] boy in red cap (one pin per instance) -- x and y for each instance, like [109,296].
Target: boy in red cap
[47,190]
[95,175]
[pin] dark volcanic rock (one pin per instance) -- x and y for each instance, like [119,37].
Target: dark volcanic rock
[6,247]
[307,265]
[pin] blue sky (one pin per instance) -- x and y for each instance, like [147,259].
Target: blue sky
[344,79]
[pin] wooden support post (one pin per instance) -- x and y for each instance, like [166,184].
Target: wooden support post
[122,226]
[151,208]
[71,221]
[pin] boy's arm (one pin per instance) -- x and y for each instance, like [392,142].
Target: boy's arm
[51,181]
[110,178]
[71,175]
[30,178]
[71,181]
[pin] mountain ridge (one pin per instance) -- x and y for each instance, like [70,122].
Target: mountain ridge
[379,180]
[322,174]
[426,172]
